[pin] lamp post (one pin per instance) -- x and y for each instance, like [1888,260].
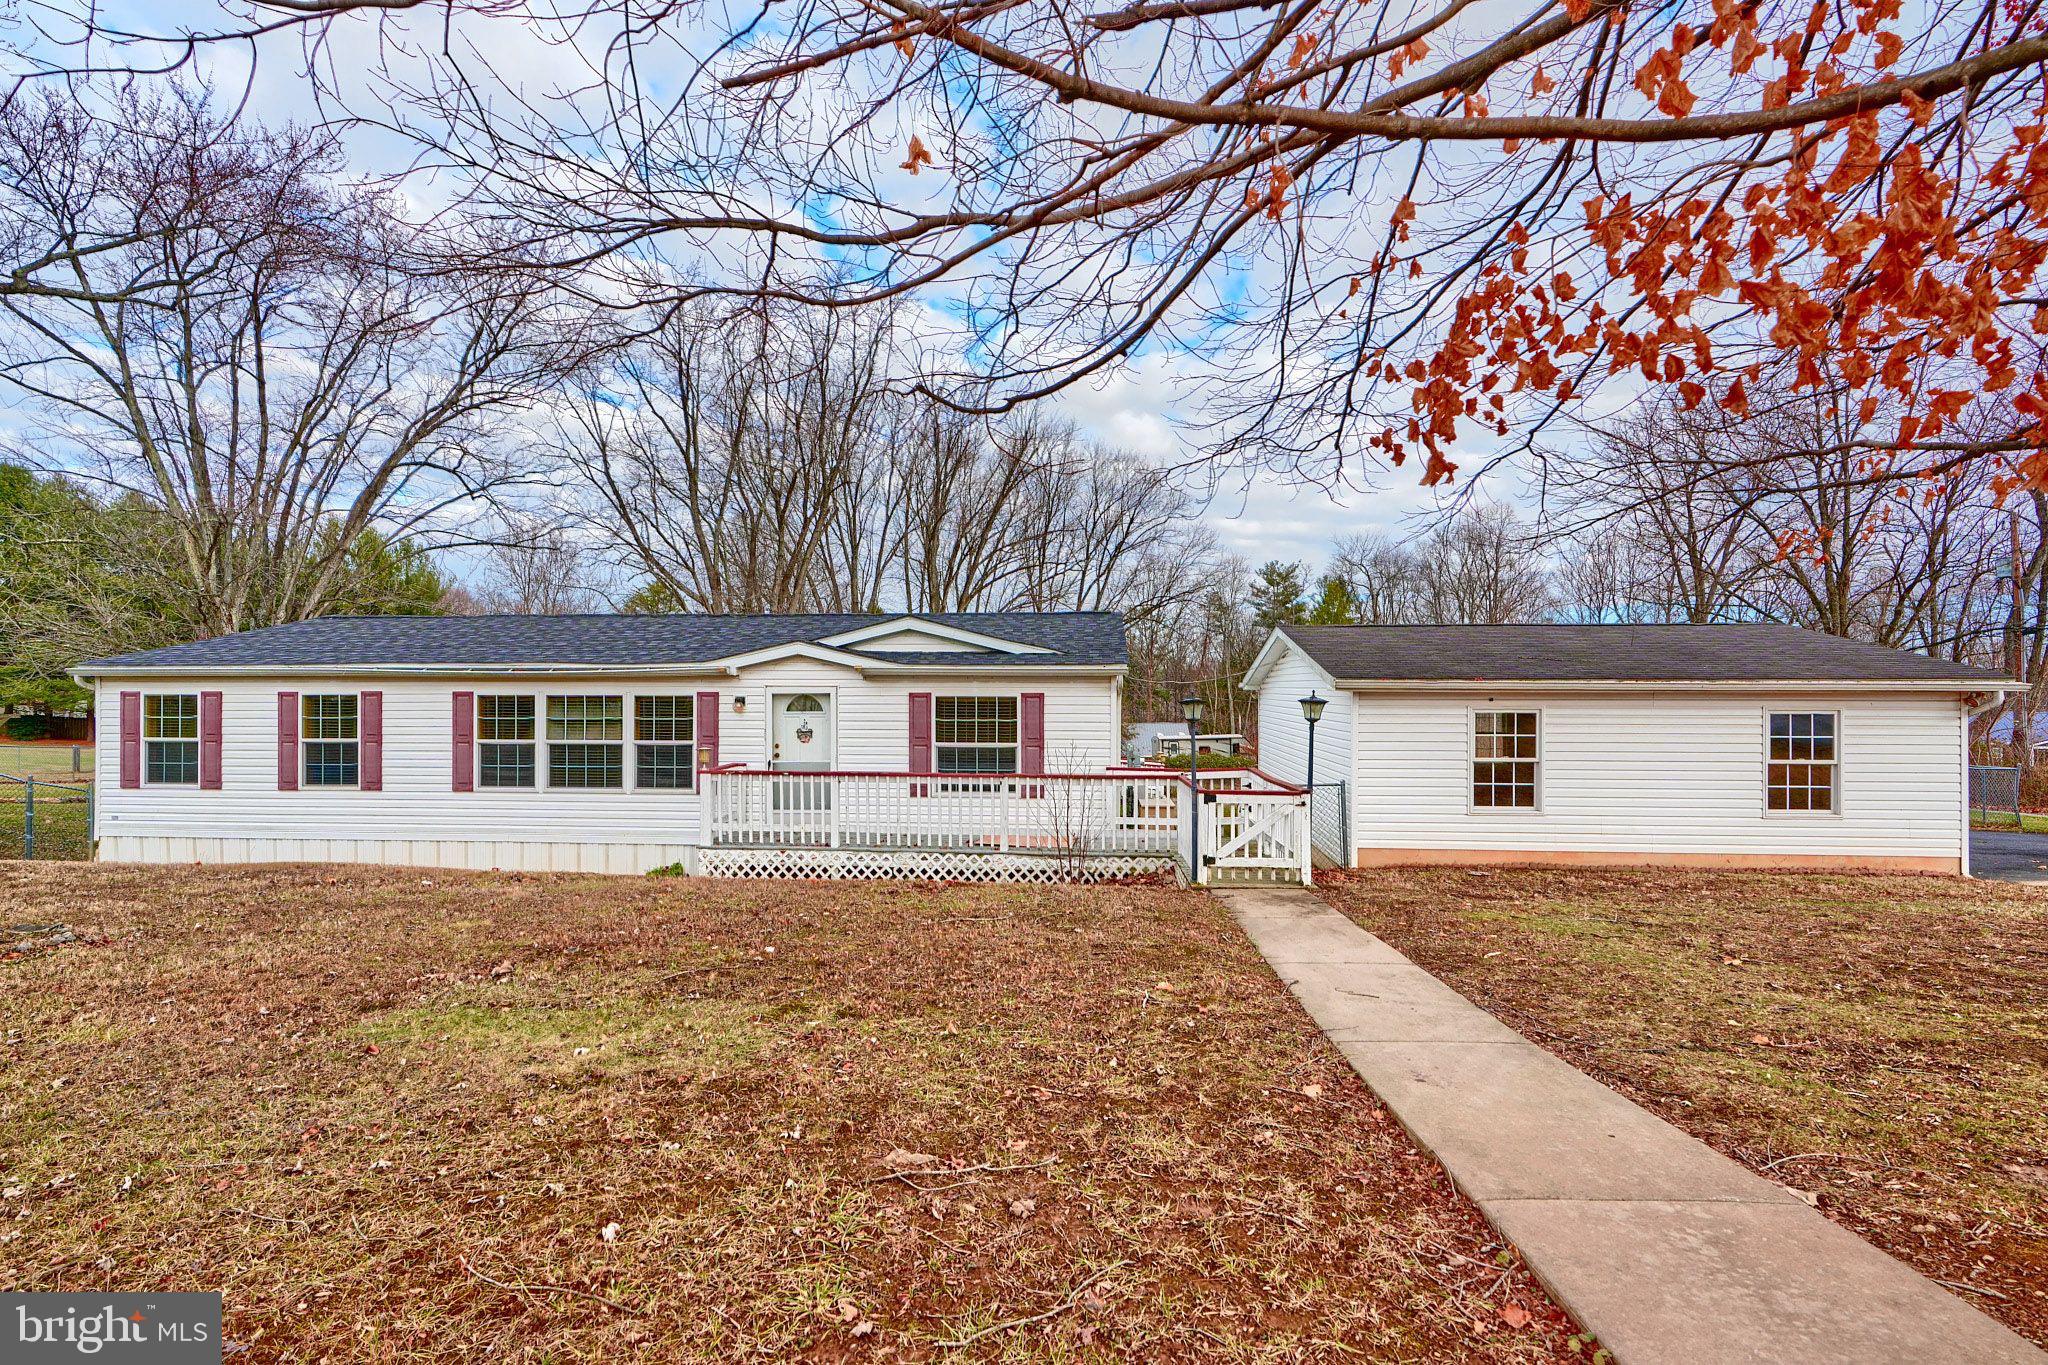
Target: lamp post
[1191,708]
[1312,711]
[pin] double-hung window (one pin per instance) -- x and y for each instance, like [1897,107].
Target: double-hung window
[1504,759]
[665,742]
[974,734]
[329,738]
[1800,772]
[504,741]
[170,739]
[586,741]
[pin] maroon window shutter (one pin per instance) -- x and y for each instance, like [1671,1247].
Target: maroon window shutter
[131,739]
[287,741]
[463,777]
[706,715]
[209,741]
[370,731]
[1031,733]
[920,732]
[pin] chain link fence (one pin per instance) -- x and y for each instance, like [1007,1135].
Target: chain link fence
[47,760]
[43,818]
[1329,816]
[1995,795]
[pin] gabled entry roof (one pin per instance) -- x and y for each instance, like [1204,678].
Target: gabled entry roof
[1586,654]
[993,640]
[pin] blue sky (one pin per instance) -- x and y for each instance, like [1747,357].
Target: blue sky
[1139,407]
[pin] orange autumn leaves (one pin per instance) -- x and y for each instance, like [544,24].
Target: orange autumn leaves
[1885,271]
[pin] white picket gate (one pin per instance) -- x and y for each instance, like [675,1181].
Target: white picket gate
[1254,835]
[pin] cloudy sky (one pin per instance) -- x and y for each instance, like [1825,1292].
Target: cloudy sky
[1140,407]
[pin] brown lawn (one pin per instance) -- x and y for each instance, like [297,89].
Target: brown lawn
[397,1115]
[1878,1042]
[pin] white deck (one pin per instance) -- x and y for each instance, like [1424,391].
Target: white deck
[1059,826]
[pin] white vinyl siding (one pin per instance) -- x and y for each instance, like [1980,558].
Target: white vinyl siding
[1677,771]
[1283,733]
[418,817]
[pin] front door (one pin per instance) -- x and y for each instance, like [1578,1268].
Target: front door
[802,738]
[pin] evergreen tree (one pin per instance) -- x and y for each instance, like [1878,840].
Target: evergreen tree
[1336,604]
[1278,595]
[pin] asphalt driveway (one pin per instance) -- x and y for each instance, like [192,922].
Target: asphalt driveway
[2009,857]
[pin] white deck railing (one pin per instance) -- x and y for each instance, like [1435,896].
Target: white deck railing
[1250,825]
[1064,813]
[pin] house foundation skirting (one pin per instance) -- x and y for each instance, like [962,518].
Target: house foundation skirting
[1790,862]
[481,855]
[853,864]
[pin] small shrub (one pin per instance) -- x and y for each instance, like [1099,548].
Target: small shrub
[28,727]
[1210,760]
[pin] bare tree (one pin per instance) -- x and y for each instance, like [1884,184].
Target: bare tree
[1453,217]
[1663,490]
[536,566]
[724,454]
[248,347]
[1477,566]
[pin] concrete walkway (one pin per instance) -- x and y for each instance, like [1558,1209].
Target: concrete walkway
[1659,1246]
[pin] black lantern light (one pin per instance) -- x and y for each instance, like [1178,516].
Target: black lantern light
[1312,711]
[1191,708]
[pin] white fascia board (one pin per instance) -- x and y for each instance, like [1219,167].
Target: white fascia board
[892,625]
[710,668]
[1269,655]
[1666,685]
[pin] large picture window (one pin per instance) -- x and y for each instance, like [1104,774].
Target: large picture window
[1800,775]
[328,737]
[504,741]
[974,734]
[170,739]
[586,741]
[664,742]
[1504,759]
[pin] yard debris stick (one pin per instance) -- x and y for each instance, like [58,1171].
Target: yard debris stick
[1073,1297]
[518,1288]
[983,1169]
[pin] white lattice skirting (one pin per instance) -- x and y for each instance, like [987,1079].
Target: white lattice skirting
[852,864]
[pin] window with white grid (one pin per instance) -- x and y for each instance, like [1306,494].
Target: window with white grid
[664,742]
[1800,773]
[974,734]
[328,737]
[1504,759]
[504,741]
[586,741]
[170,739]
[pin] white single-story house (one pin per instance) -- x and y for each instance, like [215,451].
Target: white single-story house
[1702,745]
[616,743]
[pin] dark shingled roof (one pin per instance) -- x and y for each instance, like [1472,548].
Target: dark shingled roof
[1615,653]
[1075,638]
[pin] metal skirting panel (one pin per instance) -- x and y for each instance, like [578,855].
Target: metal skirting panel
[847,864]
[476,854]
